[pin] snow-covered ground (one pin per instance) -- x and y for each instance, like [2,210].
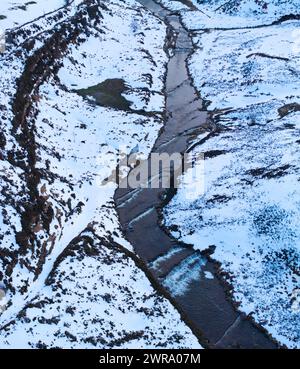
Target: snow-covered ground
[251,207]
[173,5]
[68,278]
[237,13]
[14,13]
[98,298]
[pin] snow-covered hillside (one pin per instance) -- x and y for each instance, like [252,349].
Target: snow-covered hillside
[69,277]
[246,65]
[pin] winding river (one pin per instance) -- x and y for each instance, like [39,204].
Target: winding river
[206,300]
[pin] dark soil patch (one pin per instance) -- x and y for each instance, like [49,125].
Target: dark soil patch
[108,93]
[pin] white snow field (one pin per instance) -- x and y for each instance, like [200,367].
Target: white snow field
[15,13]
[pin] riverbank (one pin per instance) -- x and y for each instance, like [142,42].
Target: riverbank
[192,278]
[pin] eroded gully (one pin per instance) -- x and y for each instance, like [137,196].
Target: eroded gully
[206,300]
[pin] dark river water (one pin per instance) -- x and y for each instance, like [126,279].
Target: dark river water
[205,301]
